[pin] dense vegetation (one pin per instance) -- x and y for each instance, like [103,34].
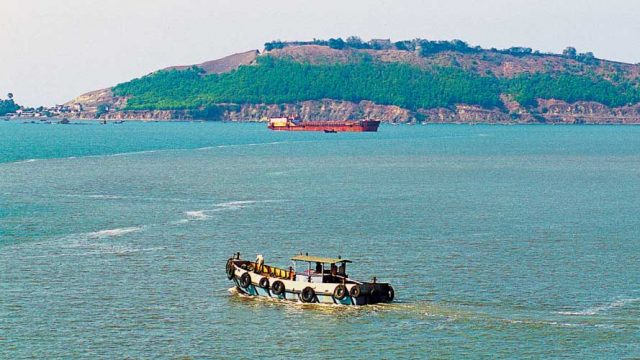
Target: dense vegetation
[275,81]
[570,88]
[8,106]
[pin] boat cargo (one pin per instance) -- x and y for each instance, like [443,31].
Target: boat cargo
[322,280]
[328,126]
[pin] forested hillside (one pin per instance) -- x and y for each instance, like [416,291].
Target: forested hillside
[415,80]
[274,81]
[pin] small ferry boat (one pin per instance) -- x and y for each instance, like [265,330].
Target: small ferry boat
[323,280]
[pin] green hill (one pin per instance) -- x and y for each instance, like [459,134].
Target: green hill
[416,76]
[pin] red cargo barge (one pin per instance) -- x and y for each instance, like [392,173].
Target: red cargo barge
[328,126]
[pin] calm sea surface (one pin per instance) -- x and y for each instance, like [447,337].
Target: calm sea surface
[500,241]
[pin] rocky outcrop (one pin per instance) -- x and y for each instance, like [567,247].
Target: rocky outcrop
[585,112]
[90,101]
[320,110]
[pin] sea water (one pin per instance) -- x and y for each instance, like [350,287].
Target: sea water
[500,241]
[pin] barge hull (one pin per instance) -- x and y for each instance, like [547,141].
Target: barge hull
[329,126]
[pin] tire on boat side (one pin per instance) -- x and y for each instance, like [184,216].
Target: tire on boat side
[355,291]
[245,280]
[264,283]
[308,295]
[390,294]
[340,292]
[277,288]
[230,270]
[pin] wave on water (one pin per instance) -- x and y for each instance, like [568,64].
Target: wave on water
[136,152]
[197,215]
[241,145]
[235,204]
[104,196]
[146,152]
[204,214]
[113,232]
[601,308]
[23,161]
[113,250]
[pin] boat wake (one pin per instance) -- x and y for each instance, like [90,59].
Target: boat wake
[442,314]
[601,308]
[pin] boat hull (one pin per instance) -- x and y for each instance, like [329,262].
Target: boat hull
[329,126]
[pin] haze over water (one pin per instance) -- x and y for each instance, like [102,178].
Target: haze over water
[506,241]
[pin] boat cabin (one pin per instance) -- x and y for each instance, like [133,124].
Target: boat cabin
[321,269]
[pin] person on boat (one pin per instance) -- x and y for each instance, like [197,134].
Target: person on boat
[259,263]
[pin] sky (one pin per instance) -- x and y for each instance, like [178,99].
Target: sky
[54,50]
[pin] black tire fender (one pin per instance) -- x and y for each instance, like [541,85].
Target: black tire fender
[264,283]
[245,280]
[230,270]
[355,291]
[308,295]
[390,294]
[277,288]
[340,292]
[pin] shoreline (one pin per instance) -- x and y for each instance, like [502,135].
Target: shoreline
[87,121]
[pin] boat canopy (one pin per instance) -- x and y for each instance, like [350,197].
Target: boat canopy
[318,259]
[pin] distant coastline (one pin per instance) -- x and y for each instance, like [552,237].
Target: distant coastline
[88,121]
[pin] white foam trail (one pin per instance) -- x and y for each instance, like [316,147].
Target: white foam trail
[197,215]
[235,204]
[113,232]
[22,161]
[111,197]
[602,308]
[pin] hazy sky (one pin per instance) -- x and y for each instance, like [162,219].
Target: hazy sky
[54,50]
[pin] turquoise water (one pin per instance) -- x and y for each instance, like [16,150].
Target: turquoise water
[517,241]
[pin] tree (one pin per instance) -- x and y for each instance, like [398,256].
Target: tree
[336,43]
[8,106]
[401,45]
[354,42]
[101,110]
[587,57]
[275,44]
[570,52]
